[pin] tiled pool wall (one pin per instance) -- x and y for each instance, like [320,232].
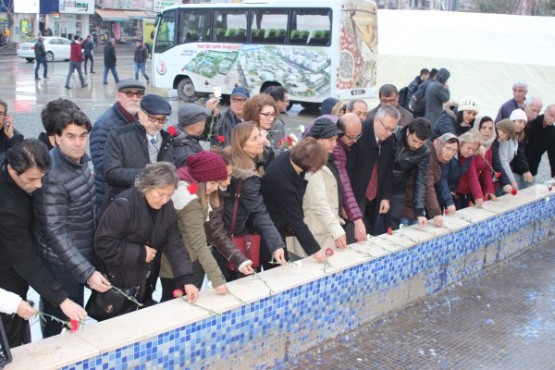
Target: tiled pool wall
[267,332]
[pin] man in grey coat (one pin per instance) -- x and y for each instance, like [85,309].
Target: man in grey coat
[437,93]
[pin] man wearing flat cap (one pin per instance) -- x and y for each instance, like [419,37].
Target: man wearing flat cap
[130,148]
[189,129]
[123,112]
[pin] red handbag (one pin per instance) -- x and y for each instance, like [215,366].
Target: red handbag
[248,244]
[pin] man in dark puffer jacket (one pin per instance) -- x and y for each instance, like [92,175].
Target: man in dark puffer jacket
[123,112]
[64,215]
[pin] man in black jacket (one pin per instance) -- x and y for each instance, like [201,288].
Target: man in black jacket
[9,136]
[369,165]
[411,158]
[20,264]
[110,61]
[542,139]
[64,215]
[40,58]
[131,147]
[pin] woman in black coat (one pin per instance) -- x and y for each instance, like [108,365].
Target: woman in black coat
[134,230]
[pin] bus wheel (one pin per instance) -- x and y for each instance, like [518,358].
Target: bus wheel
[310,106]
[186,90]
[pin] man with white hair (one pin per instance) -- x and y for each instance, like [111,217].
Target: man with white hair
[532,107]
[520,89]
[542,139]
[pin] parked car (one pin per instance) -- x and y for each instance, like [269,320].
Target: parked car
[57,48]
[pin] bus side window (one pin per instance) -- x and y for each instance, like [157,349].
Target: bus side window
[240,35]
[258,34]
[220,34]
[299,37]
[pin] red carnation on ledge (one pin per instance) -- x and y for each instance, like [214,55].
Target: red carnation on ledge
[514,192]
[172,131]
[177,293]
[192,188]
[73,326]
[329,252]
[220,139]
[550,188]
[470,204]
[389,231]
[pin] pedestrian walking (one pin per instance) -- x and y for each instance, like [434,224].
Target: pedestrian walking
[110,61]
[88,47]
[40,58]
[75,60]
[141,55]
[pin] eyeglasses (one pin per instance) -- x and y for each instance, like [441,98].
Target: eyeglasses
[2,114]
[138,94]
[389,129]
[160,120]
[238,100]
[268,114]
[353,138]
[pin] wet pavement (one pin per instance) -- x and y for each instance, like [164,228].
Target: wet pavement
[502,319]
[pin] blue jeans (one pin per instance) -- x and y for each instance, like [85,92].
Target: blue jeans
[72,67]
[114,73]
[140,67]
[38,62]
[74,290]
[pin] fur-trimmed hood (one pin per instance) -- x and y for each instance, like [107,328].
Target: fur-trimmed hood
[451,108]
[243,174]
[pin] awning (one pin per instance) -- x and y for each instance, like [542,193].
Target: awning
[112,15]
[123,15]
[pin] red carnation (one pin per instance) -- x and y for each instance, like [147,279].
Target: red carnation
[220,138]
[177,293]
[497,175]
[192,188]
[389,231]
[172,131]
[514,192]
[329,252]
[470,204]
[290,140]
[73,326]
[550,188]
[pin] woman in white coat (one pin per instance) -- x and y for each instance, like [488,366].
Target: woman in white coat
[322,204]
[11,303]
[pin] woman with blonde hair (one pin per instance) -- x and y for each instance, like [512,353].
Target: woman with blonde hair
[246,149]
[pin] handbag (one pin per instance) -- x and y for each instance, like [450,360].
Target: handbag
[5,354]
[104,306]
[248,244]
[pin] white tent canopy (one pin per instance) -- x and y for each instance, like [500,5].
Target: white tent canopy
[485,53]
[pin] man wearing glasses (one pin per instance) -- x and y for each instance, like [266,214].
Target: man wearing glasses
[131,147]
[369,165]
[351,125]
[123,112]
[231,117]
[8,135]
[389,95]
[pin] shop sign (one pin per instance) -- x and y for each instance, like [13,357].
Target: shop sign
[161,4]
[77,6]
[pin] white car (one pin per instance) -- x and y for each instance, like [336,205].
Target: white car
[57,48]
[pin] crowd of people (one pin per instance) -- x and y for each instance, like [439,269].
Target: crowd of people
[155,204]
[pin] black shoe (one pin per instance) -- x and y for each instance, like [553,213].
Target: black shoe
[105,83]
[93,72]
[85,85]
[85,73]
[37,79]
[67,87]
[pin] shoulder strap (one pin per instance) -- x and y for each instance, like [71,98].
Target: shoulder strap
[235,207]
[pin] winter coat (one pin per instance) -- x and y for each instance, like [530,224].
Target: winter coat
[437,94]
[519,165]
[219,238]
[483,168]
[9,302]
[109,56]
[76,52]
[252,214]
[350,204]
[40,52]
[125,227]
[65,215]
[141,54]
[6,143]
[113,117]
[541,139]
[126,156]
[411,89]
[506,109]
[191,218]
[184,145]
[20,262]
[448,122]
[406,162]
[228,120]
[505,151]
[451,173]
[321,210]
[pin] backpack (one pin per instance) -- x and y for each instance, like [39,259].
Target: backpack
[417,102]
[403,96]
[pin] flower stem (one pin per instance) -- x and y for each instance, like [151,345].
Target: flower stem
[210,311]
[234,296]
[264,281]
[132,299]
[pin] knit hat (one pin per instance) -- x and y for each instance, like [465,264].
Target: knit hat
[156,105]
[324,128]
[207,166]
[469,103]
[518,114]
[189,114]
[508,126]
